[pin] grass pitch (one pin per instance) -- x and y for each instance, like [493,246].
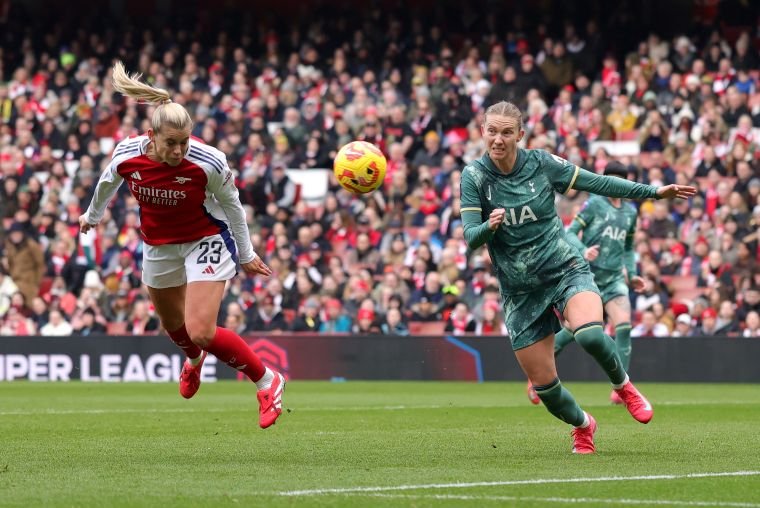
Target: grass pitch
[372,444]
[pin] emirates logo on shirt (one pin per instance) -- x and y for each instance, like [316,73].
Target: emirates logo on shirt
[165,197]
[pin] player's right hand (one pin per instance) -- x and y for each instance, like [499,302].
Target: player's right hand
[591,253]
[496,218]
[85,226]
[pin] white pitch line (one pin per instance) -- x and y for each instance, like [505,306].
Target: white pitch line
[566,500]
[544,481]
[325,408]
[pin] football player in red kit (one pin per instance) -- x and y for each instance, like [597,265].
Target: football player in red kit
[195,233]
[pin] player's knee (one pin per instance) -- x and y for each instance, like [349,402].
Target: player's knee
[200,333]
[590,336]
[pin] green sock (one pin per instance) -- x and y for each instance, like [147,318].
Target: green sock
[560,403]
[623,343]
[598,344]
[561,339]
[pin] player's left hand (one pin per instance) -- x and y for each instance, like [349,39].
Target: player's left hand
[638,283]
[676,192]
[256,267]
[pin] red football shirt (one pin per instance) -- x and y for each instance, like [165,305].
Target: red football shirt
[178,204]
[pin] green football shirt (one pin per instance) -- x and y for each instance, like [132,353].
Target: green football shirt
[530,249]
[611,228]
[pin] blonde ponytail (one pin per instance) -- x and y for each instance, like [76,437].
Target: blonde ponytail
[167,114]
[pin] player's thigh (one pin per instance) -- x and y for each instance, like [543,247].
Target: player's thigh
[582,308]
[202,301]
[170,305]
[163,266]
[578,299]
[618,310]
[537,361]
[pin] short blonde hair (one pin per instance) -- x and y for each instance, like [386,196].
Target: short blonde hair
[168,113]
[504,108]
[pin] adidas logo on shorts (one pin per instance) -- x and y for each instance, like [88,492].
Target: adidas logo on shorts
[209,270]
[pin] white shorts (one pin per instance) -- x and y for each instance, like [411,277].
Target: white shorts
[212,258]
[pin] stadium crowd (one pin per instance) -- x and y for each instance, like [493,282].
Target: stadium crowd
[389,262]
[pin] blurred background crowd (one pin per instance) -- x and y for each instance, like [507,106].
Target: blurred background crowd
[675,102]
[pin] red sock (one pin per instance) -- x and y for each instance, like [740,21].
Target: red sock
[232,350]
[182,339]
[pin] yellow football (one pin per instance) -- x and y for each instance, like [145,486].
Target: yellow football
[359,167]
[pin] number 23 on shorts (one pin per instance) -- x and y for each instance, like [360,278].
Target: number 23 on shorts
[210,252]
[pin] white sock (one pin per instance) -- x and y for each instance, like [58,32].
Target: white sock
[266,380]
[625,382]
[195,361]
[586,421]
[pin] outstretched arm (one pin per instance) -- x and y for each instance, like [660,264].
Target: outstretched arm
[105,190]
[224,190]
[566,176]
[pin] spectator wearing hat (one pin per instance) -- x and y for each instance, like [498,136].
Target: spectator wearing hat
[424,310]
[450,300]
[268,317]
[365,322]
[683,326]
[335,320]
[308,319]
[671,262]
[709,322]
[364,225]
[26,261]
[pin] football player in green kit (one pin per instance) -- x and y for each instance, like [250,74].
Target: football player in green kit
[508,205]
[608,226]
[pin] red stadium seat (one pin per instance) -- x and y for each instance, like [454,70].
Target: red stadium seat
[688,294]
[426,328]
[681,282]
[117,328]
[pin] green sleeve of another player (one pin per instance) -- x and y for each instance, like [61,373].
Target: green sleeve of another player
[476,232]
[580,222]
[572,235]
[629,256]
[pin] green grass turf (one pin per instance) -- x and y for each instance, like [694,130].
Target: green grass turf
[81,444]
